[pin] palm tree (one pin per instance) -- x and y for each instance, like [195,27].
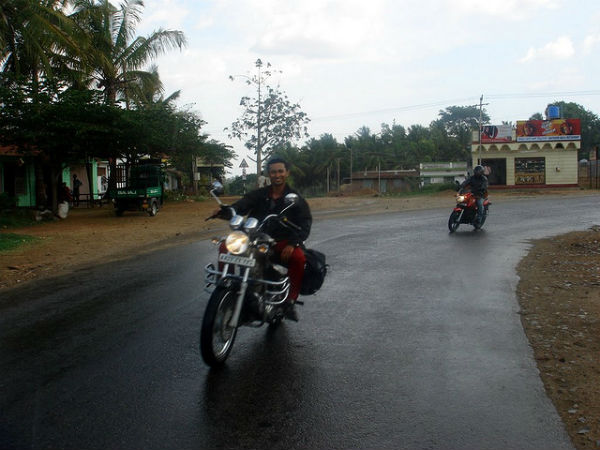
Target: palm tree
[118,56]
[35,38]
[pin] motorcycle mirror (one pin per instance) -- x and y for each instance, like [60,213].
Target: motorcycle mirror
[217,188]
[291,199]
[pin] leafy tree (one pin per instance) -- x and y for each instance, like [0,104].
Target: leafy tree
[536,116]
[239,186]
[64,126]
[460,121]
[269,120]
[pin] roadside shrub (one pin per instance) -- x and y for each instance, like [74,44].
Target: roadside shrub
[174,196]
[438,187]
[7,202]
[13,218]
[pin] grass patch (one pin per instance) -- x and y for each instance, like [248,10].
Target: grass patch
[11,241]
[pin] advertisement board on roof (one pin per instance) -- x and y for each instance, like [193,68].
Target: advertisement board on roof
[548,130]
[496,133]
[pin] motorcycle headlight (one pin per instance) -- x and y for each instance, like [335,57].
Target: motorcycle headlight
[237,242]
[460,198]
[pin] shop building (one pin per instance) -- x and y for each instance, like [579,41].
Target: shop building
[537,153]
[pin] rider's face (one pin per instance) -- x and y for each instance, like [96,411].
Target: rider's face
[278,174]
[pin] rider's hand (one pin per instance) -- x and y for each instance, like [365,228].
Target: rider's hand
[286,253]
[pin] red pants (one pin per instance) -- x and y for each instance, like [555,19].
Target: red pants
[295,266]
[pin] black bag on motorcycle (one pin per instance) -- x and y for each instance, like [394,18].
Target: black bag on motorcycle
[315,270]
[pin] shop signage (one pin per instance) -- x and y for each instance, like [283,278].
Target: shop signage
[496,133]
[548,130]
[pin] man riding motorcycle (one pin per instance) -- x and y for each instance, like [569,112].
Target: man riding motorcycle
[478,184]
[290,238]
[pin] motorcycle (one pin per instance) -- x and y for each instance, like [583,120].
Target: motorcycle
[465,211]
[249,288]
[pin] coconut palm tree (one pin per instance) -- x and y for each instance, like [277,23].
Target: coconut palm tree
[35,38]
[118,57]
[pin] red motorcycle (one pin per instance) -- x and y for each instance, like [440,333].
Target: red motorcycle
[465,211]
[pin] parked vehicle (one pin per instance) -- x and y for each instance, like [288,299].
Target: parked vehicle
[144,190]
[249,288]
[465,212]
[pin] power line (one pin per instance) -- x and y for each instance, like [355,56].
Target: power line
[455,101]
[545,94]
[399,108]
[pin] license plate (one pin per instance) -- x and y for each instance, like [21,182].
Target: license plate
[239,260]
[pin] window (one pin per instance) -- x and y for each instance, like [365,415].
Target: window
[530,170]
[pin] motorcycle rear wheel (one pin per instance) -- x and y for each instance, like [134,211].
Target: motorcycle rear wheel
[216,335]
[453,221]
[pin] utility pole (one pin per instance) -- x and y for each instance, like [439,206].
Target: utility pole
[256,80]
[338,174]
[258,143]
[480,115]
[351,185]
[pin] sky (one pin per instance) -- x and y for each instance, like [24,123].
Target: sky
[355,63]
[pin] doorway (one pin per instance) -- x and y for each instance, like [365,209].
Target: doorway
[495,170]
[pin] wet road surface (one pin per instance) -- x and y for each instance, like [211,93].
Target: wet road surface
[413,342]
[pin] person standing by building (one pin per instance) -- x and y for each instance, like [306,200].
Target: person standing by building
[76,185]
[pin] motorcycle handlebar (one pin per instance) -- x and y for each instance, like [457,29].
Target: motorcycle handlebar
[289,223]
[221,214]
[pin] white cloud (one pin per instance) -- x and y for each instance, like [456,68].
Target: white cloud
[590,42]
[311,28]
[165,14]
[560,81]
[561,48]
[507,9]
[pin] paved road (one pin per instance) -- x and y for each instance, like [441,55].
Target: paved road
[414,342]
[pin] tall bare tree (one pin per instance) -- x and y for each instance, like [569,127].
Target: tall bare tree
[269,120]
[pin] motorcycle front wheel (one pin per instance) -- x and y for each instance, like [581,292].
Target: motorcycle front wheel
[217,335]
[453,221]
[483,219]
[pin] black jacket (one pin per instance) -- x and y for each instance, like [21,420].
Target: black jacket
[477,184]
[258,204]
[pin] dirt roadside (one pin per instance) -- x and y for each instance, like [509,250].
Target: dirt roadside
[559,288]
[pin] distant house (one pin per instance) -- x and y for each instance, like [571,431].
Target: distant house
[17,176]
[173,179]
[442,172]
[27,178]
[382,181]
